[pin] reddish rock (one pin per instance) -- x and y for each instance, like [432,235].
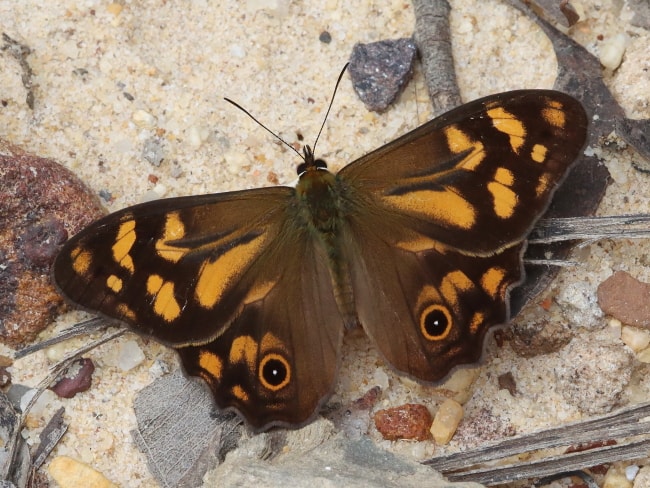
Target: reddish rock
[409,421]
[78,378]
[41,204]
[626,299]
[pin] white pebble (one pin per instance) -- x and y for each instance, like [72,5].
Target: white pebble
[631,472]
[612,50]
[446,421]
[236,51]
[144,119]
[26,398]
[614,329]
[160,190]
[635,338]
[129,356]
[57,352]
[159,368]
[197,135]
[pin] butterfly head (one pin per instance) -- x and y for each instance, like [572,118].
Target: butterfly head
[310,164]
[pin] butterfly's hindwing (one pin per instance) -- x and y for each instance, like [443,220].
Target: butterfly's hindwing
[437,304]
[278,360]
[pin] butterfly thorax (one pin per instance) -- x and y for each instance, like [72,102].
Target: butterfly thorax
[318,200]
[319,204]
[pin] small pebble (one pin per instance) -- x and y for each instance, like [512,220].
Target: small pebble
[78,379]
[153,150]
[460,383]
[41,204]
[635,338]
[237,51]
[44,402]
[159,368]
[70,473]
[160,190]
[380,378]
[144,119]
[616,478]
[380,71]
[631,472]
[612,50]
[507,382]
[26,398]
[644,356]
[325,37]
[114,8]
[446,421]
[197,135]
[615,329]
[129,356]
[5,377]
[625,298]
[409,421]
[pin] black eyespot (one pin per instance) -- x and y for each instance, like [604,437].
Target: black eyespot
[274,372]
[435,322]
[320,164]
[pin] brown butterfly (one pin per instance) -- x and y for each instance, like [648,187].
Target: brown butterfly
[419,241]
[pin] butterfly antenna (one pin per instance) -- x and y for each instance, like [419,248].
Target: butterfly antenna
[336,87]
[265,127]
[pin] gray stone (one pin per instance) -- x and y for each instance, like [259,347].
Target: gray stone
[316,456]
[381,70]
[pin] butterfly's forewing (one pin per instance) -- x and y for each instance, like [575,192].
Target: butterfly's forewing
[477,178]
[437,220]
[231,281]
[171,267]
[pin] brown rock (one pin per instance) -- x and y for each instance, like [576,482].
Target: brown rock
[531,335]
[409,421]
[507,382]
[626,299]
[41,203]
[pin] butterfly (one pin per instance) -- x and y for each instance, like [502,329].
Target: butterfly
[419,242]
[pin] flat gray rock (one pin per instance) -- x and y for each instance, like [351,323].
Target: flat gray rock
[311,458]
